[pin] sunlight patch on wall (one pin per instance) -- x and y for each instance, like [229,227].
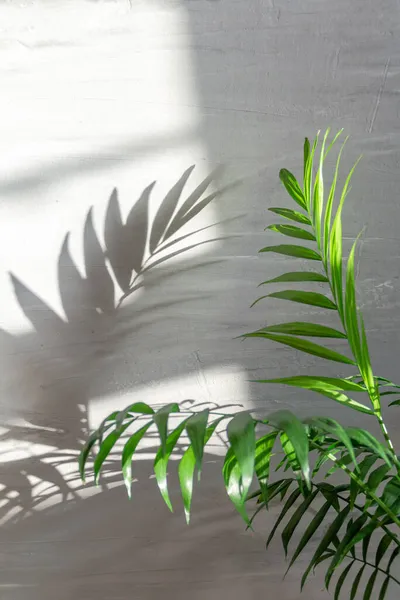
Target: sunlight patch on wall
[105,100]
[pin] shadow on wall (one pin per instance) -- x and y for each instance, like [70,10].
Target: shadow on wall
[55,371]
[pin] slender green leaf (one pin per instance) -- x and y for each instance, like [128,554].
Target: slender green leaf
[308,172]
[384,588]
[383,382]
[292,187]
[393,557]
[318,199]
[306,157]
[297,276]
[395,403]
[391,496]
[350,307]
[161,420]
[242,438]
[105,448]
[365,545]
[272,490]
[335,248]
[287,506]
[311,529]
[137,407]
[332,143]
[325,388]
[389,393]
[358,536]
[310,298]
[304,346]
[186,469]
[291,461]
[263,455]
[106,424]
[329,204]
[292,215]
[196,427]
[370,586]
[322,558]
[350,524]
[365,465]
[330,493]
[384,544]
[161,462]
[342,579]
[326,540]
[298,514]
[310,382]
[85,453]
[366,366]
[127,455]
[322,459]
[344,547]
[330,426]
[233,483]
[377,476]
[335,258]
[263,452]
[363,469]
[356,583]
[285,421]
[292,231]
[259,508]
[366,439]
[284,488]
[295,251]
[304,329]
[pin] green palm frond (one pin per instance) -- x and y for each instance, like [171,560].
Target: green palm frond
[356,516]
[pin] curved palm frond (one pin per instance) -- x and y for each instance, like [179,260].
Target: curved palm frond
[363,511]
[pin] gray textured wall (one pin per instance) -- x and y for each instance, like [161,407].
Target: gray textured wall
[97,95]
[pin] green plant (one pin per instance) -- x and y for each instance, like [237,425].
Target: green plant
[361,512]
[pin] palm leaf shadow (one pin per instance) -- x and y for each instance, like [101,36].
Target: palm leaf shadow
[133,249]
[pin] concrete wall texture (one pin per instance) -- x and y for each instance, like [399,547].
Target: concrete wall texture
[103,95]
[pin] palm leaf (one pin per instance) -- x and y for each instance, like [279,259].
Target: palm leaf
[310,531]
[291,250]
[297,276]
[342,579]
[161,461]
[305,329]
[186,469]
[310,298]
[196,427]
[304,346]
[160,418]
[356,583]
[285,421]
[326,540]
[106,447]
[292,231]
[242,438]
[309,382]
[329,206]
[127,454]
[292,215]
[292,187]
[287,506]
[370,585]
[318,199]
[298,514]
